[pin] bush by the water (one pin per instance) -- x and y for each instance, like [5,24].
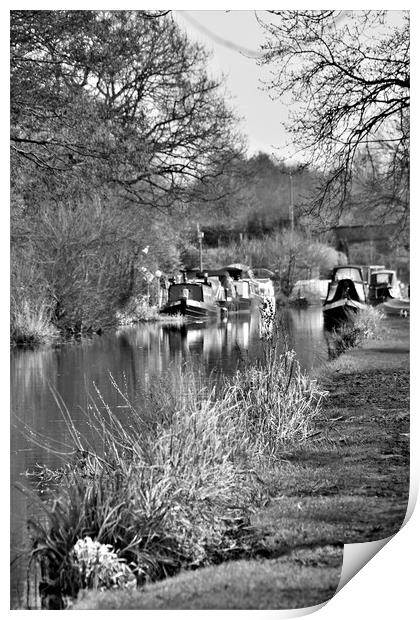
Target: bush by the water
[367,324]
[173,485]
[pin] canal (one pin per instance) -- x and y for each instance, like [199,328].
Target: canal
[132,356]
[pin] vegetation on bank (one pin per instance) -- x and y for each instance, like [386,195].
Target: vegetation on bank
[72,298]
[175,484]
[338,488]
[367,324]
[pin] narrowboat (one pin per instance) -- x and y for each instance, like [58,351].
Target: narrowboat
[195,300]
[346,295]
[246,288]
[236,288]
[383,285]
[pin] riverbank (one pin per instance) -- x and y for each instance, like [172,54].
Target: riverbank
[349,484]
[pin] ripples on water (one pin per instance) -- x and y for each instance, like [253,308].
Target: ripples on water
[133,356]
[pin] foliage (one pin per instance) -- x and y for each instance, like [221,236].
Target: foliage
[349,74]
[30,324]
[30,309]
[261,202]
[115,125]
[88,259]
[164,490]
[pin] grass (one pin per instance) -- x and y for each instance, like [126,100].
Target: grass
[140,311]
[31,323]
[137,310]
[175,485]
[278,402]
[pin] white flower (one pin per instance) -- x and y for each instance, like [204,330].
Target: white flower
[100,566]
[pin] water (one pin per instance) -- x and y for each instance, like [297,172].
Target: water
[133,356]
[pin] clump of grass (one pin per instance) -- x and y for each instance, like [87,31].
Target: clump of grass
[31,322]
[138,310]
[367,324]
[278,402]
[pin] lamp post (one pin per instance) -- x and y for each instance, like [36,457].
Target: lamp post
[200,236]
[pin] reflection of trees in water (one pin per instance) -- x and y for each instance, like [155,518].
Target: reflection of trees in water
[305,334]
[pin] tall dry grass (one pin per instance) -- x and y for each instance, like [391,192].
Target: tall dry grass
[278,403]
[30,322]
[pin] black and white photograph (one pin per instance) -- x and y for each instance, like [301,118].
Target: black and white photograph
[209,303]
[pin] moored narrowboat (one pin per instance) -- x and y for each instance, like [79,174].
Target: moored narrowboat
[383,285]
[195,300]
[346,295]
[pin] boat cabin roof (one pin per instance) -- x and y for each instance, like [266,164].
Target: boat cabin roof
[383,276]
[383,271]
[237,271]
[351,272]
[210,273]
[262,272]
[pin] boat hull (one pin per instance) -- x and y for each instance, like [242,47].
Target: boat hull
[190,309]
[396,307]
[340,312]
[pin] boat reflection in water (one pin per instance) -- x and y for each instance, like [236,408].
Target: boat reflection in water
[213,344]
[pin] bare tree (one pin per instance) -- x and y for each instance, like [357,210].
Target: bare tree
[122,95]
[349,75]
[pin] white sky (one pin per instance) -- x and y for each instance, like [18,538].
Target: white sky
[262,117]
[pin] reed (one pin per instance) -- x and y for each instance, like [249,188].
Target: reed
[30,323]
[278,402]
